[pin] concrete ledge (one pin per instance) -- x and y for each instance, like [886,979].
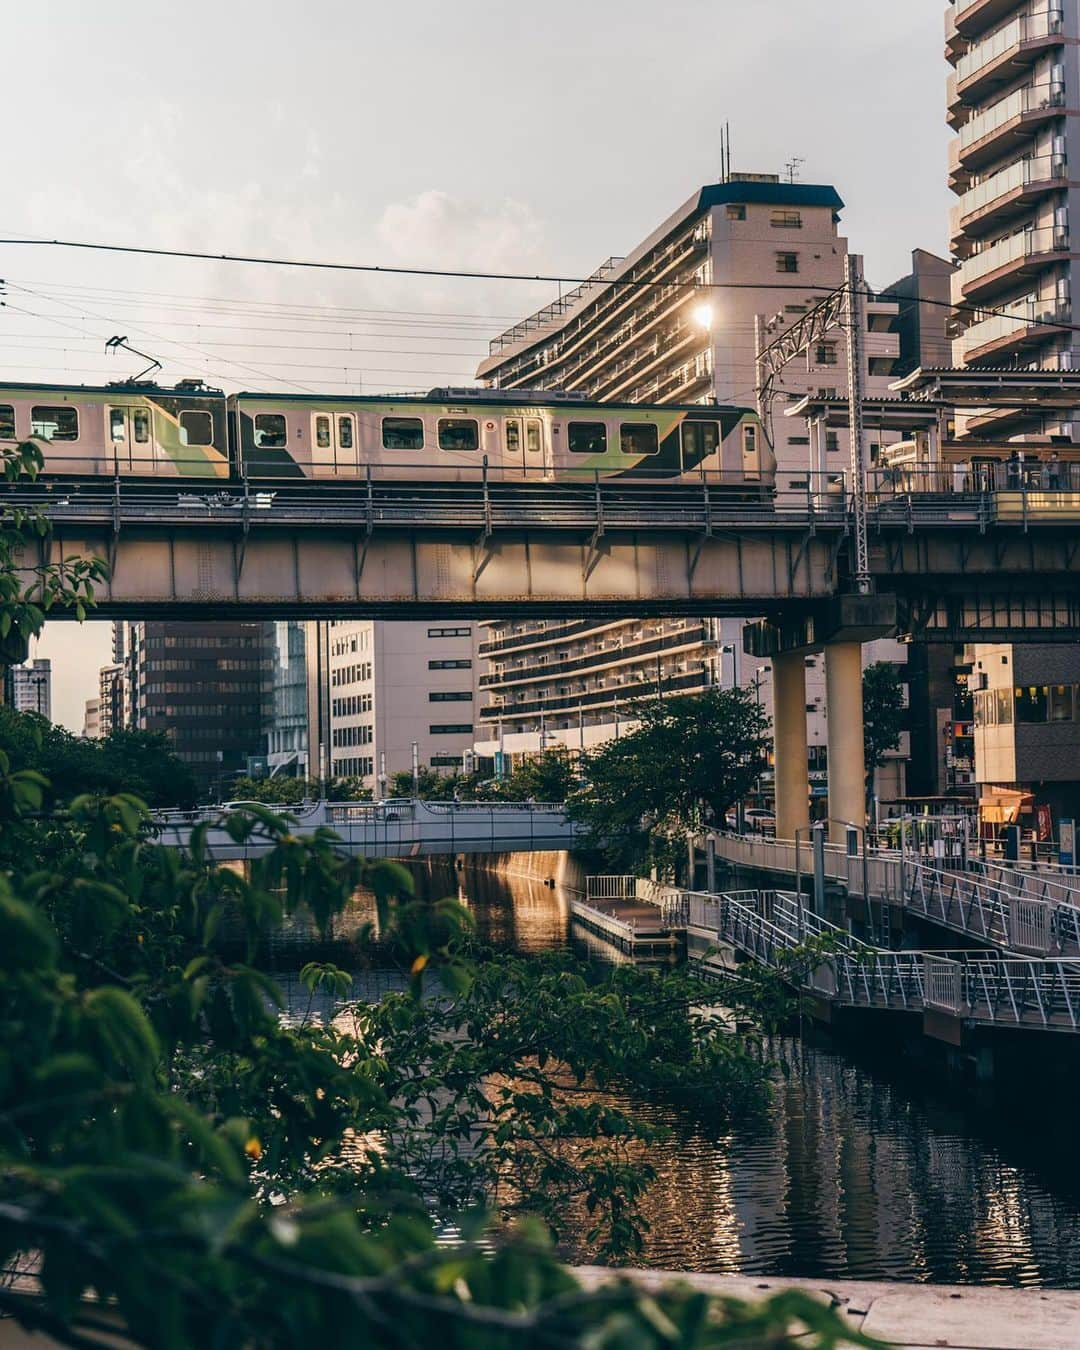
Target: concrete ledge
[846,618]
[909,1316]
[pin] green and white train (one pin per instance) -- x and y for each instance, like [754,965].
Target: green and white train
[193,432]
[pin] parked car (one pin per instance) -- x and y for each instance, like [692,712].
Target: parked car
[760,822]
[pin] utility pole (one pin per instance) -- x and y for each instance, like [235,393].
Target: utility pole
[855,322]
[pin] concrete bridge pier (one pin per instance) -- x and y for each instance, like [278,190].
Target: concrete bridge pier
[844,705]
[789,742]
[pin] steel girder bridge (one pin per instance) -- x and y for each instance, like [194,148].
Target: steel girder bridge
[949,566]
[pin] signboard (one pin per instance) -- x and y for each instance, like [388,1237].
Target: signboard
[1067,842]
[1044,822]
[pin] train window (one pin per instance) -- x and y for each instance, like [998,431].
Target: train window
[513,435]
[196,428]
[322,432]
[140,424]
[534,436]
[639,438]
[459,433]
[699,440]
[54,424]
[749,439]
[402,433]
[7,422]
[117,424]
[345,436]
[586,438]
[270,431]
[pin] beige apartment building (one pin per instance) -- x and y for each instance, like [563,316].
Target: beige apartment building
[748,249]
[396,686]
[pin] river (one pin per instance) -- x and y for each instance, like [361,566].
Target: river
[861,1168]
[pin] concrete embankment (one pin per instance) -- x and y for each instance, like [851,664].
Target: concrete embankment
[558,869]
[910,1316]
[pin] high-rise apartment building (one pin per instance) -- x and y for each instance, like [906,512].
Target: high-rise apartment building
[208,686]
[1013,101]
[29,687]
[112,699]
[748,249]
[393,686]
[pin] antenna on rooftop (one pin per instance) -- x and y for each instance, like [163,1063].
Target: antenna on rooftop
[725,153]
[793,168]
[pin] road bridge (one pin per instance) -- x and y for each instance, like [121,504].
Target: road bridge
[393,829]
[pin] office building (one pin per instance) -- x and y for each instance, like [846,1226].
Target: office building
[1014,164]
[677,335]
[396,686]
[208,686]
[287,731]
[29,687]
[92,720]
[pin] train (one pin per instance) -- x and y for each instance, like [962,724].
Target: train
[191,431]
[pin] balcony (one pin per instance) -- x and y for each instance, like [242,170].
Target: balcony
[988,136]
[1007,193]
[1019,327]
[972,17]
[1010,259]
[617,654]
[997,60]
[692,681]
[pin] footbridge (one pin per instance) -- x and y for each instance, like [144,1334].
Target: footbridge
[969,989]
[392,829]
[1018,910]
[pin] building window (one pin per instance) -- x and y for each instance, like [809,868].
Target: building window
[446,761]
[196,428]
[639,438]
[451,729]
[450,696]
[832,440]
[586,438]
[270,431]
[7,422]
[448,632]
[459,433]
[786,220]
[736,211]
[1061,703]
[1031,703]
[449,665]
[402,433]
[825,354]
[54,424]
[787,262]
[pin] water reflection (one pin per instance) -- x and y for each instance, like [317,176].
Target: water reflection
[854,1170]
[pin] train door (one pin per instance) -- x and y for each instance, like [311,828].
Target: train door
[751,452]
[130,439]
[346,449]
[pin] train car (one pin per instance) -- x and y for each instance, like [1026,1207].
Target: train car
[131,430]
[448,434]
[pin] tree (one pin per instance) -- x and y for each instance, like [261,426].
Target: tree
[883,716]
[687,762]
[179,1165]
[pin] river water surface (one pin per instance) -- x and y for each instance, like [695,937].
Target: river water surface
[859,1168]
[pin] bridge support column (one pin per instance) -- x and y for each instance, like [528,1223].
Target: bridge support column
[789,741]
[847,778]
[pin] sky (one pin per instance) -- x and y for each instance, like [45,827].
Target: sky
[464,135]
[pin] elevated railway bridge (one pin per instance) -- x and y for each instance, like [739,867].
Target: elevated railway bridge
[972,557]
